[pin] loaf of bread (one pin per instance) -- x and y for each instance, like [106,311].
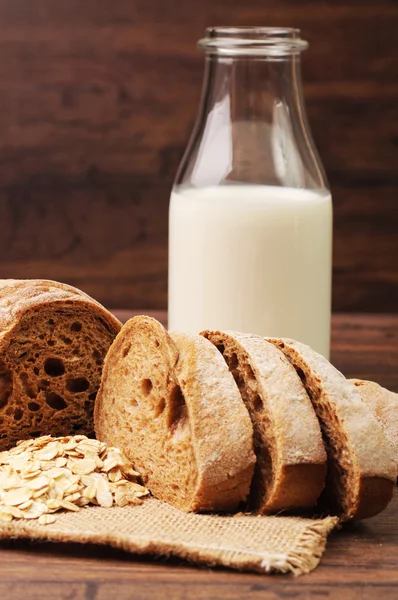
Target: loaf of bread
[291,459]
[53,340]
[171,405]
[384,405]
[361,467]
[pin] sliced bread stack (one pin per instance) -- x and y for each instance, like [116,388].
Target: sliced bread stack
[53,340]
[195,412]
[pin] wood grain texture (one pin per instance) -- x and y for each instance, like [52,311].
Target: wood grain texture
[360,562]
[97,100]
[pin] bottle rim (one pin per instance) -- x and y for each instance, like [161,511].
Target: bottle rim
[248,40]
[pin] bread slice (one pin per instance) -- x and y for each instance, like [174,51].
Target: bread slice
[384,405]
[361,467]
[53,340]
[291,459]
[170,403]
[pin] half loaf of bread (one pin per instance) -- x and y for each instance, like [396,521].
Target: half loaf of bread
[53,340]
[171,404]
[291,459]
[361,466]
[384,405]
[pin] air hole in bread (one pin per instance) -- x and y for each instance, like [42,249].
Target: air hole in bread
[66,340]
[50,343]
[33,406]
[233,362]
[258,404]
[92,396]
[221,348]
[178,409]
[50,322]
[160,407]
[54,367]
[97,357]
[146,386]
[36,370]
[157,343]
[22,355]
[55,401]
[249,372]
[36,433]
[76,326]
[126,350]
[80,384]
[18,414]
[5,384]
[301,374]
[27,386]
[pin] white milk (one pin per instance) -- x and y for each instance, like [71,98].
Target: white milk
[251,258]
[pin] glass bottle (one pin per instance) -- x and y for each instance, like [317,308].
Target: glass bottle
[250,223]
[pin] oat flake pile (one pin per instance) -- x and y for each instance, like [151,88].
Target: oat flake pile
[40,477]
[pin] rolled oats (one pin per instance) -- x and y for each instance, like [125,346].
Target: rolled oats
[46,519]
[39,477]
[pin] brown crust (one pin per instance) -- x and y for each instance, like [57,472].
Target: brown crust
[196,452]
[361,467]
[291,460]
[41,403]
[384,405]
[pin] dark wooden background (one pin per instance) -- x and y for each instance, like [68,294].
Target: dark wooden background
[97,99]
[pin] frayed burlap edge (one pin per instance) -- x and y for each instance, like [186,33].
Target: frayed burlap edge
[248,543]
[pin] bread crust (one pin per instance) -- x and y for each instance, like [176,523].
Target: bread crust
[19,295]
[291,459]
[23,303]
[201,456]
[361,466]
[384,405]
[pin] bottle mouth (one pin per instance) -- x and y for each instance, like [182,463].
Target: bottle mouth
[258,41]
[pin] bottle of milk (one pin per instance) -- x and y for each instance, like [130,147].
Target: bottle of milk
[250,230]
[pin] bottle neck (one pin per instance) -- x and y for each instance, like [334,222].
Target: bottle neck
[252,88]
[251,125]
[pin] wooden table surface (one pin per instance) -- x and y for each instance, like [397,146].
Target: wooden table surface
[360,562]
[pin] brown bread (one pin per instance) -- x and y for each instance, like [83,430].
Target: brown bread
[169,402]
[384,404]
[53,340]
[291,459]
[361,466]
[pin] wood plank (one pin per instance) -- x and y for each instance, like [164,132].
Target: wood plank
[97,103]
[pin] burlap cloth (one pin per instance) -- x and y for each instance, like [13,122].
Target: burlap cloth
[248,543]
